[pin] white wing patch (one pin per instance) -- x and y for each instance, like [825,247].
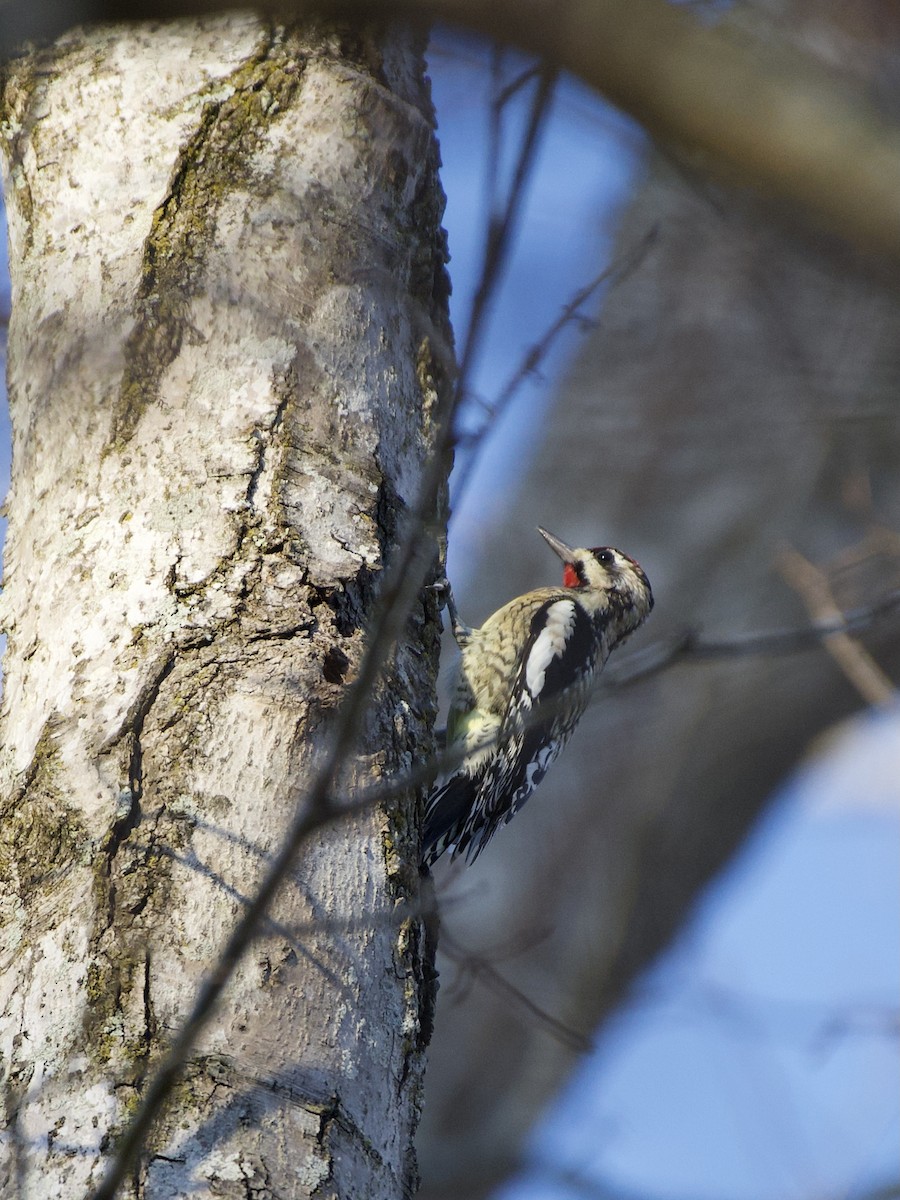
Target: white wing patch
[549,644]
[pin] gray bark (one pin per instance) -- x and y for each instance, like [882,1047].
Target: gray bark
[229,324]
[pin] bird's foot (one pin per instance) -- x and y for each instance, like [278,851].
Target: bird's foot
[442,590]
[444,593]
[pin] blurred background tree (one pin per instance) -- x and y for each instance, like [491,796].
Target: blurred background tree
[734,408]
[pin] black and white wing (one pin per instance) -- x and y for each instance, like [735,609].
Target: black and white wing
[551,689]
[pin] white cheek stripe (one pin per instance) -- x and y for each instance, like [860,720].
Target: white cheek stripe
[549,644]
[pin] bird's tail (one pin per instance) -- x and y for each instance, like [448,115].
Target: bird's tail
[448,817]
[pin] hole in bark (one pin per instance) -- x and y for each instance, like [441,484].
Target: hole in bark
[334,668]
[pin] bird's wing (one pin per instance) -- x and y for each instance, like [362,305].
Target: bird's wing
[559,657]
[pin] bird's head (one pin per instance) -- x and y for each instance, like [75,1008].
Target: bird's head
[608,580]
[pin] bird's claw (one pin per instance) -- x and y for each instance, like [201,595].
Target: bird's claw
[441,589]
[444,593]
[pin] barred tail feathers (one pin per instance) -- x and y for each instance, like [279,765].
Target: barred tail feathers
[448,817]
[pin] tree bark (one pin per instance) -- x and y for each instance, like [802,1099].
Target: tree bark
[228,336]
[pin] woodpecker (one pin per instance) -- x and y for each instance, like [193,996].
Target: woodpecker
[523,681]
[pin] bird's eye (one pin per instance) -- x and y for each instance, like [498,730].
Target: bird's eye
[606,558]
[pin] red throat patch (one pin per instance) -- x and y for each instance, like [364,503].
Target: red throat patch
[570,576]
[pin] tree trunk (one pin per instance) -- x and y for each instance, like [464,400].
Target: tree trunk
[229,314]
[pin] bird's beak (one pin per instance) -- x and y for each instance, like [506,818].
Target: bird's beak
[566,553]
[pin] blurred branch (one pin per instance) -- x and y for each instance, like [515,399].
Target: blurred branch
[691,644]
[506,93]
[537,353]
[745,108]
[481,970]
[854,660]
[501,224]
[501,94]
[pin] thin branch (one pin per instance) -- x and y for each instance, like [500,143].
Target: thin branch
[482,971]
[854,660]
[502,225]
[690,644]
[537,353]
[515,85]
[501,94]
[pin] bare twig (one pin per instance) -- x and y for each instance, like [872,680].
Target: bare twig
[502,224]
[505,94]
[690,644]
[501,94]
[811,585]
[538,352]
[479,969]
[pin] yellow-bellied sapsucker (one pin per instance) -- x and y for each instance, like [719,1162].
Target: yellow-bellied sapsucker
[523,681]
